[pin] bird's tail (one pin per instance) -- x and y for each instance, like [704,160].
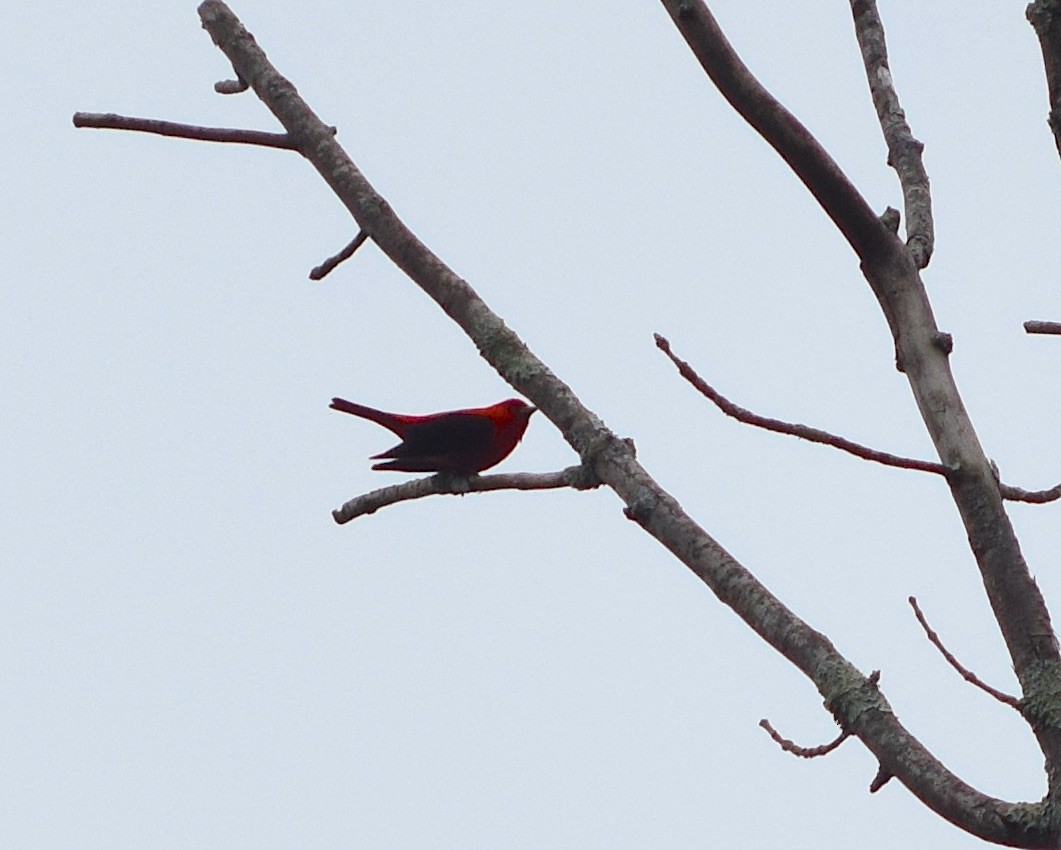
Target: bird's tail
[391,421]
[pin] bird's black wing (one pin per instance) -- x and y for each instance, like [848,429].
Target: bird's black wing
[451,443]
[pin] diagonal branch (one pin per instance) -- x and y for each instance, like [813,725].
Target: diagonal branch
[904,151]
[329,265]
[805,432]
[964,672]
[781,129]
[816,435]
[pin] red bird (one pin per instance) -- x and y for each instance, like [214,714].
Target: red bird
[457,441]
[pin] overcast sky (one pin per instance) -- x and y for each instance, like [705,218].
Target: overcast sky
[195,655]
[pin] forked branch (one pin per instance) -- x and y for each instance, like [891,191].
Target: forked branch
[851,697]
[891,270]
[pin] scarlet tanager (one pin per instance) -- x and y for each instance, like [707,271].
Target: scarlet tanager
[457,441]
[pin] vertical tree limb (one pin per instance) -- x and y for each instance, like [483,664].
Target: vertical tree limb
[1045,18]
[904,151]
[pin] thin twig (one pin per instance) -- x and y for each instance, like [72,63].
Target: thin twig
[1034,497]
[822,749]
[803,752]
[329,265]
[111,121]
[1038,327]
[576,477]
[816,435]
[237,86]
[881,779]
[904,151]
[966,674]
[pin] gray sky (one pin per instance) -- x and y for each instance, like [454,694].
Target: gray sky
[196,656]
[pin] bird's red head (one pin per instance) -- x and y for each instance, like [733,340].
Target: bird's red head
[511,410]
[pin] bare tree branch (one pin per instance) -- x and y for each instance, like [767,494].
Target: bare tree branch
[904,151]
[1016,600]
[1033,497]
[804,154]
[820,750]
[856,702]
[1034,327]
[805,432]
[576,477]
[852,698]
[964,672]
[1045,18]
[329,265]
[110,121]
[816,435]
[803,752]
[880,780]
